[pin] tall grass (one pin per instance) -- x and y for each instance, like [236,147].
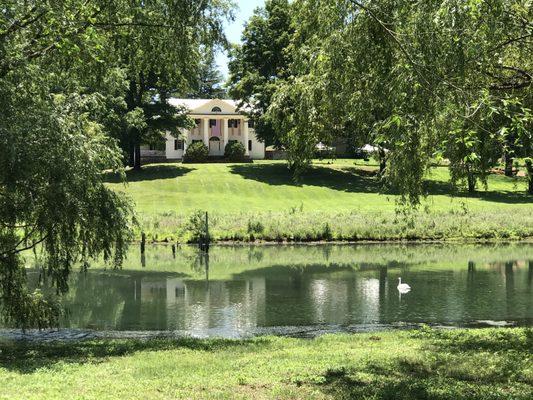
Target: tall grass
[306,226]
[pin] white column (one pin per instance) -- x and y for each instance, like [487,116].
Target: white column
[224,133]
[245,136]
[206,131]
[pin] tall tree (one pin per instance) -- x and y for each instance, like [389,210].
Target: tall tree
[260,62]
[65,76]
[209,84]
[420,78]
[160,48]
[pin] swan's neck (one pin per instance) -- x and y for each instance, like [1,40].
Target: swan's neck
[400,281]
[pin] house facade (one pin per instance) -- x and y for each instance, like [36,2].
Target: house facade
[217,122]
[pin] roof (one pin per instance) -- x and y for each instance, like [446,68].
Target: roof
[204,106]
[196,105]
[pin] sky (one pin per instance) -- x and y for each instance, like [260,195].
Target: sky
[234,29]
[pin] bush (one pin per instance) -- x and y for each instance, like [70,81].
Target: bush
[196,226]
[197,152]
[234,151]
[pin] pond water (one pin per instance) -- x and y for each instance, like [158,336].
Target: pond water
[246,290]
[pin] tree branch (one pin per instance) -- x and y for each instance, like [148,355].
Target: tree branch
[29,247]
[511,40]
[23,22]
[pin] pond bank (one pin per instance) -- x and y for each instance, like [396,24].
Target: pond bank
[300,332]
[511,224]
[459,364]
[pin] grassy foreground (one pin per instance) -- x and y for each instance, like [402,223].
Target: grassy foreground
[428,364]
[339,201]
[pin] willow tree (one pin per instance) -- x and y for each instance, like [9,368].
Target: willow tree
[65,77]
[421,78]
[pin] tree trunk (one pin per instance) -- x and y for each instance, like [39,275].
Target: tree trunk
[137,163]
[382,161]
[471,179]
[131,158]
[508,160]
[529,168]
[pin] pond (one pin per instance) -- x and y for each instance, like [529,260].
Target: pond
[304,290]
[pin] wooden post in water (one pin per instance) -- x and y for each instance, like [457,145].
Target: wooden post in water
[143,242]
[173,251]
[204,239]
[143,246]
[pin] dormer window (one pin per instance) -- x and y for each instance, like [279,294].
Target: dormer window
[216,109]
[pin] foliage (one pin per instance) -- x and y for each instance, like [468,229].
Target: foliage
[418,79]
[51,188]
[313,226]
[197,152]
[261,60]
[426,364]
[234,151]
[161,48]
[196,227]
[209,82]
[74,77]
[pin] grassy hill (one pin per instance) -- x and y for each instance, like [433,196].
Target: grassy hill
[237,195]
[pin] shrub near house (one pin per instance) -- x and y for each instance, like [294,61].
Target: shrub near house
[234,151]
[197,152]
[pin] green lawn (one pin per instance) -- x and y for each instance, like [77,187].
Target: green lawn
[268,186]
[463,364]
[264,191]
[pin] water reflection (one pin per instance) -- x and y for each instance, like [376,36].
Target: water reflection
[237,291]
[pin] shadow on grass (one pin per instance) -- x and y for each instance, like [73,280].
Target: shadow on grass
[347,180]
[150,173]
[499,340]
[452,365]
[27,357]
[502,196]
[363,180]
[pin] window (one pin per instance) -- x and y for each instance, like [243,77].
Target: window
[249,145]
[160,146]
[251,123]
[233,123]
[178,144]
[212,123]
[197,122]
[216,109]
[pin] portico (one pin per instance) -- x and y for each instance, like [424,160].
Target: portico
[217,122]
[221,131]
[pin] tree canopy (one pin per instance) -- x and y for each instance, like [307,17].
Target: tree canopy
[209,84]
[425,80]
[260,62]
[75,76]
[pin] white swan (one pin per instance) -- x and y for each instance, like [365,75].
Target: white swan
[403,287]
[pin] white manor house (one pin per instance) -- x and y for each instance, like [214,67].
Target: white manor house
[218,122]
